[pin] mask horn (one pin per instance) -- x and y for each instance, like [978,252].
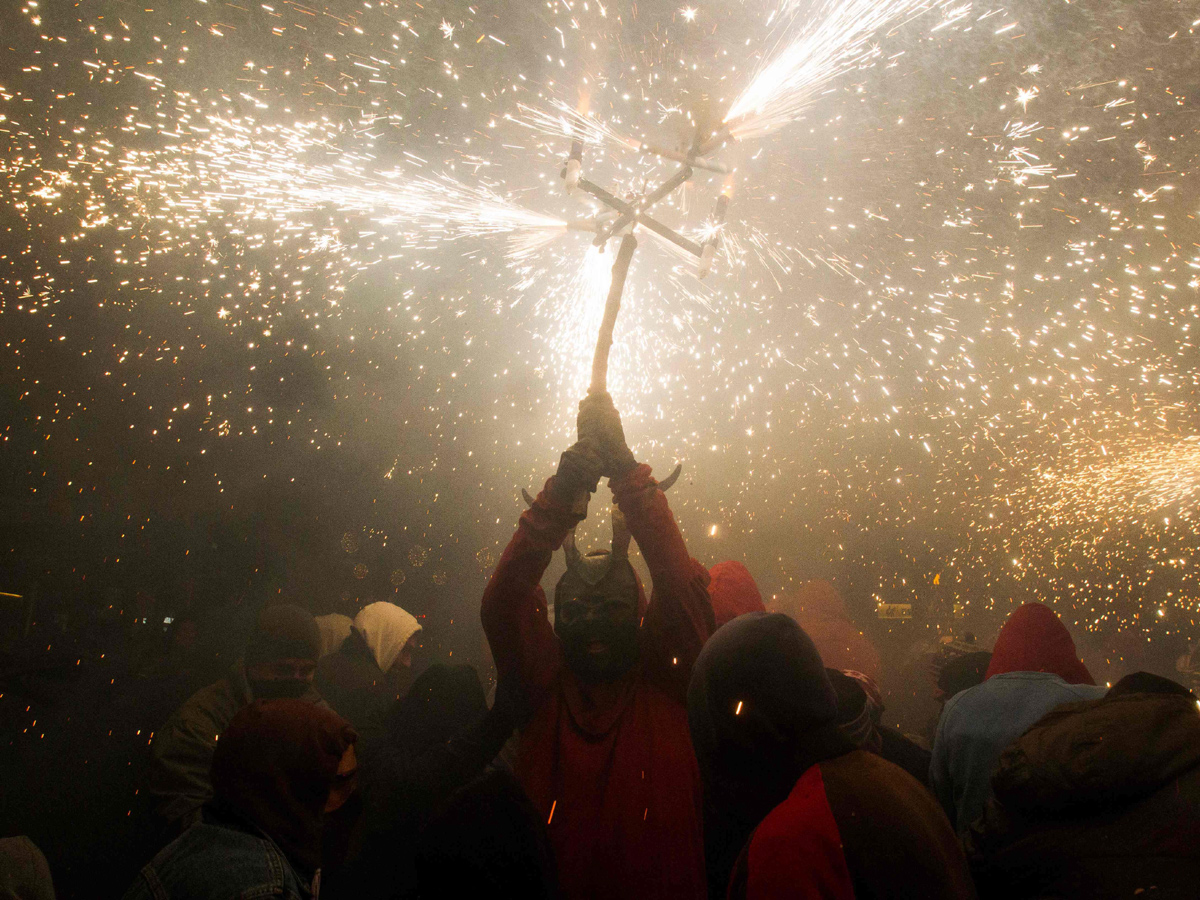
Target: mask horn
[667,483]
[525,496]
[620,535]
[574,559]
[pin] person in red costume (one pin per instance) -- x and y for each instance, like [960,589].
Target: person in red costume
[606,757]
[733,591]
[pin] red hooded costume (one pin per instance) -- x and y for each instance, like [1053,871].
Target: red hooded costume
[733,591]
[1034,639]
[821,612]
[611,766]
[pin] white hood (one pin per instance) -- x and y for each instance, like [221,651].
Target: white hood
[386,628]
[335,628]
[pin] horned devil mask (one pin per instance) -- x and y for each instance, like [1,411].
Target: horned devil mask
[596,609]
[596,605]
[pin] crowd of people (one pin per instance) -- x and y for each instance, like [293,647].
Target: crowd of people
[689,744]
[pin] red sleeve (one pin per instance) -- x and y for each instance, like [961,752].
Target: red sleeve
[514,606]
[680,618]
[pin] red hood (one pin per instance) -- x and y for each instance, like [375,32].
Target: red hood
[733,591]
[1034,639]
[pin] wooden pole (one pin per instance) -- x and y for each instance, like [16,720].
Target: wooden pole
[612,306]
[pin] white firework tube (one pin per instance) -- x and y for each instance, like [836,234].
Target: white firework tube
[571,175]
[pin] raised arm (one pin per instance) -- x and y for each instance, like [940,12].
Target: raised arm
[680,618]
[514,606]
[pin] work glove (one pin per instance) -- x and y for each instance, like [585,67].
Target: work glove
[579,471]
[599,425]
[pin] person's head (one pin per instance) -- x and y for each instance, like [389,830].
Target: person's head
[281,658]
[961,672]
[487,840]
[284,765]
[597,611]
[733,591]
[1034,639]
[1148,683]
[389,632]
[860,708]
[334,628]
[760,710]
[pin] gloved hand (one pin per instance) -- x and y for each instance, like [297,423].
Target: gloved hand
[579,470]
[599,425]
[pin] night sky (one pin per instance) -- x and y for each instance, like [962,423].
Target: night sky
[288,311]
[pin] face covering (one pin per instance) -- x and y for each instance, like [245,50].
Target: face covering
[606,615]
[278,689]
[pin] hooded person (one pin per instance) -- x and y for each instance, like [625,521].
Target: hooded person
[793,808]
[860,718]
[437,738]
[1100,799]
[281,770]
[733,591]
[1033,669]
[335,628]
[280,660]
[24,872]
[364,675]
[605,757]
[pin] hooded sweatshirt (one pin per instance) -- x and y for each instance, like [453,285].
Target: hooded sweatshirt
[825,819]
[262,835]
[733,591]
[609,767]
[386,628]
[356,680]
[1100,799]
[335,628]
[1034,669]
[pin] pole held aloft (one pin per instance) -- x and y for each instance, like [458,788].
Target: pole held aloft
[612,306]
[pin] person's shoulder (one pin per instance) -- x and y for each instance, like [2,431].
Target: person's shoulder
[212,705]
[213,861]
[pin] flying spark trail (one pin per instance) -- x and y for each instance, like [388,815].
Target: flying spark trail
[832,40]
[251,245]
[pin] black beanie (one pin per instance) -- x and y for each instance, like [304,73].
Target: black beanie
[284,631]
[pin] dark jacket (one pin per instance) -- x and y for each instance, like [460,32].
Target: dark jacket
[182,752]
[793,809]
[351,682]
[1100,799]
[218,859]
[435,740]
[854,827]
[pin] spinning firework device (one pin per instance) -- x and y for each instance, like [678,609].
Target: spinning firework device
[626,214]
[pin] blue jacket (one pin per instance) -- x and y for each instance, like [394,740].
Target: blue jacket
[218,859]
[979,723]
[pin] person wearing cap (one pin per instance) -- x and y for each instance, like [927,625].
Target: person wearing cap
[792,807]
[279,662]
[284,774]
[367,671]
